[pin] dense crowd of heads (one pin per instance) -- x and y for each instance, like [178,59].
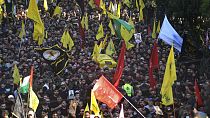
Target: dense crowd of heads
[67,94]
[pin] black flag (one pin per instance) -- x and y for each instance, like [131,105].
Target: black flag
[56,57]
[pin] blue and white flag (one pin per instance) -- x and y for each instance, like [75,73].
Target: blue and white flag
[169,35]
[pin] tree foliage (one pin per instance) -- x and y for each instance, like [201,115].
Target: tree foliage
[194,12]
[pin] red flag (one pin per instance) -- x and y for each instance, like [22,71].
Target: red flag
[197,95]
[153,64]
[97,2]
[105,92]
[31,76]
[82,35]
[120,66]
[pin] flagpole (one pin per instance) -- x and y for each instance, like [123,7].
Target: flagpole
[174,111]
[20,48]
[173,106]
[27,110]
[133,106]
[19,95]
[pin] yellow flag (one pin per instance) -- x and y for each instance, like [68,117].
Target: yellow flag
[100,46]
[127,2]
[110,49]
[168,80]
[104,9]
[106,60]
[118,9]
[1,14]
[95,52]
[104,42]
[33,12]
[111,28]
[130,21]
[129,45]
[92,3]
[1,2]
[154,30]
[137,4]
[110,6]
[93,105]
[112,16]
[71,42]
[167,96]
[64,39]
[16,75]
[38,34]
[126,35]
[100,33]
[102,115]
[45,5]
[158,27]
[67,40]
[86,21]
[141,7]
[103,6]
[83,22]
[22,31]
[57,11]
[101,3]
[33,101]
[86,109]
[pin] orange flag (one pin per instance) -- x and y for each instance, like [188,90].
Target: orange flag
[105,92]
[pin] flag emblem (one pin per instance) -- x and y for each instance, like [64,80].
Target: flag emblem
[51,54]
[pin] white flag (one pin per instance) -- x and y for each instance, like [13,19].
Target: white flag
[121,112]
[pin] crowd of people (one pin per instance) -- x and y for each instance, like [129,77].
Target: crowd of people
[66,95]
